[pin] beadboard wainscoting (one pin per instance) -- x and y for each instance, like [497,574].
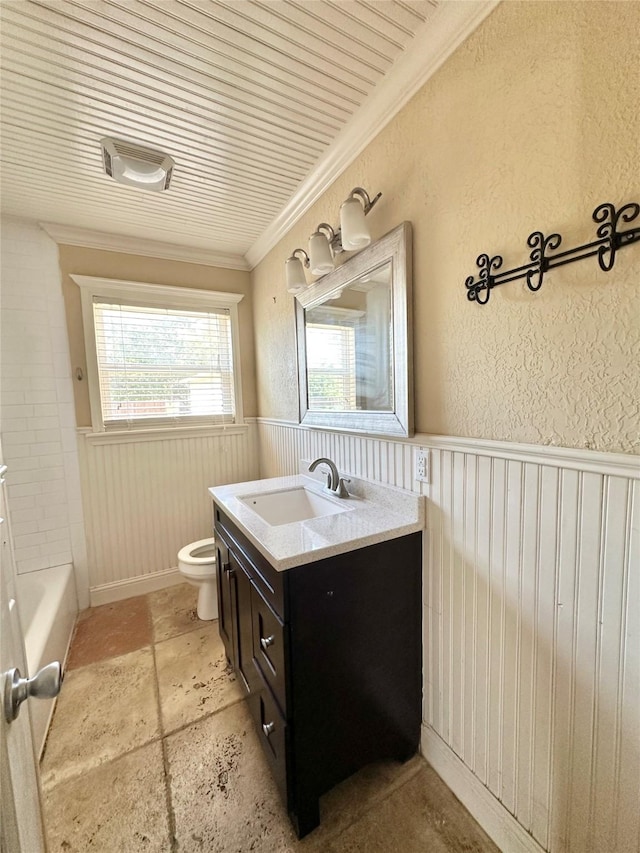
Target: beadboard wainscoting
[531,627]
[145,496]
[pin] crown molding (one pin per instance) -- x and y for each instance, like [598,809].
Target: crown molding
[450,25]
[69,236]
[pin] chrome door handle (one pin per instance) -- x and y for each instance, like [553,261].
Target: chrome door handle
[45,684]
[267,728]
[265,642]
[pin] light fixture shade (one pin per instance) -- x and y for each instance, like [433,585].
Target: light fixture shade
[320,256]
[294,271]
[353,227]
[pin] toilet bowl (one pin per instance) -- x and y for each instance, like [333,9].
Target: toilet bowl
[197,564]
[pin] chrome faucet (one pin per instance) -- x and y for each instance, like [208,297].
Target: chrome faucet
[335,483]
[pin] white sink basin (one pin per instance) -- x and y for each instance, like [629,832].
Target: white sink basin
[288,505]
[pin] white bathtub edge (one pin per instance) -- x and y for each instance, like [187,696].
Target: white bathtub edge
[48,717]
[48,635]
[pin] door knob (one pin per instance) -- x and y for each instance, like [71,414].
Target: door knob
[45,684]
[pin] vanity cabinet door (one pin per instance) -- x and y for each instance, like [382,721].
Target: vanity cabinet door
[226,601]
[234,614]
[243,625]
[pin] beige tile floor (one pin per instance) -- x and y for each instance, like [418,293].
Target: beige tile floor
[152,749]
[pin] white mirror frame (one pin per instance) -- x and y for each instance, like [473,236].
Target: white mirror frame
[395,247]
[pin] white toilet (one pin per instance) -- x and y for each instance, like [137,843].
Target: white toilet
[197,564]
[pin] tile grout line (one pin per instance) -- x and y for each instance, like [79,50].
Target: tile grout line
[171,818]
[203,717]
[180,634]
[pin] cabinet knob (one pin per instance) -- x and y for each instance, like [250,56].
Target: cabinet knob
[265,642]
[267,728]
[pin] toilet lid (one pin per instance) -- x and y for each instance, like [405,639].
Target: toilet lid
[198,553]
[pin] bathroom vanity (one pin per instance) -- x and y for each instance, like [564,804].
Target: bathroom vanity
[323,631]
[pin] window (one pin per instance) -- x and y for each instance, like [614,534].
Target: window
[160,356]
[331,359]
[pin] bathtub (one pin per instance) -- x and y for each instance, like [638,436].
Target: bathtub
[48,607]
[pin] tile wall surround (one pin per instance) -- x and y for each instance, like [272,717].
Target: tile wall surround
[38,419]
[531,627]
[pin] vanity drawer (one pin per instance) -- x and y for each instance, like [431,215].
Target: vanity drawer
[269,645]
[272,733]
[266,578]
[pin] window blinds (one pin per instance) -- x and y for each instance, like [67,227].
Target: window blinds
[162,365]
[331,367]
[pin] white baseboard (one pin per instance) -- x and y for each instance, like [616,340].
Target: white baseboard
[116,591]
[499,824]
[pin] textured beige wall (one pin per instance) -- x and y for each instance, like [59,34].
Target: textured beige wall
[530,125]
[81,261]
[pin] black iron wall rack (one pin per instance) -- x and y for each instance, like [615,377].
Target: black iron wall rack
[544,255]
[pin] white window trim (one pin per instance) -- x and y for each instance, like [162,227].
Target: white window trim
[164,296]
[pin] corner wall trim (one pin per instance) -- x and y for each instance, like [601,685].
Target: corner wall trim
[492,816]
[118,590]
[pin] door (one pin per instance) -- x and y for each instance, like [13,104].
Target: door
[22,829]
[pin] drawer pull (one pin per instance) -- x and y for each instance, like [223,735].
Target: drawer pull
[267,728]
[265,642]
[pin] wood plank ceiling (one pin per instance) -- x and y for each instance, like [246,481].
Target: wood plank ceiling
[246,95]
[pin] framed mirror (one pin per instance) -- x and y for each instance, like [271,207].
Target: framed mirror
[355,354]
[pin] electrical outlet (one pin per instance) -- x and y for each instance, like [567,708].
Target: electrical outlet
[421,458]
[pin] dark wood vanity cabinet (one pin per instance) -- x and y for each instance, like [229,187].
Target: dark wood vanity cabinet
[330,655]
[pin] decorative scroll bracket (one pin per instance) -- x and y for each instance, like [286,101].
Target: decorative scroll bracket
[544,255]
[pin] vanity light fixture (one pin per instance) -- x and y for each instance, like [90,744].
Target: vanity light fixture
[355,233]
[320,252]
[326,242]
[294,269]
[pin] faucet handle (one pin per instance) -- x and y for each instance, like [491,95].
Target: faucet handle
[341,491]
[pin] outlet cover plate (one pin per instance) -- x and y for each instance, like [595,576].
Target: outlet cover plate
[421,464]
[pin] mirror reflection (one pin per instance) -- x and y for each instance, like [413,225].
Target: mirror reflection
[349,342]
[355,344]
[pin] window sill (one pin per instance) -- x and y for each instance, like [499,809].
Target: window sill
[130,436]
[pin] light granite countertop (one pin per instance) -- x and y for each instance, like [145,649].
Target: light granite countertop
[373,513]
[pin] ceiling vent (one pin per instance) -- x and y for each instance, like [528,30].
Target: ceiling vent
[136,166]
